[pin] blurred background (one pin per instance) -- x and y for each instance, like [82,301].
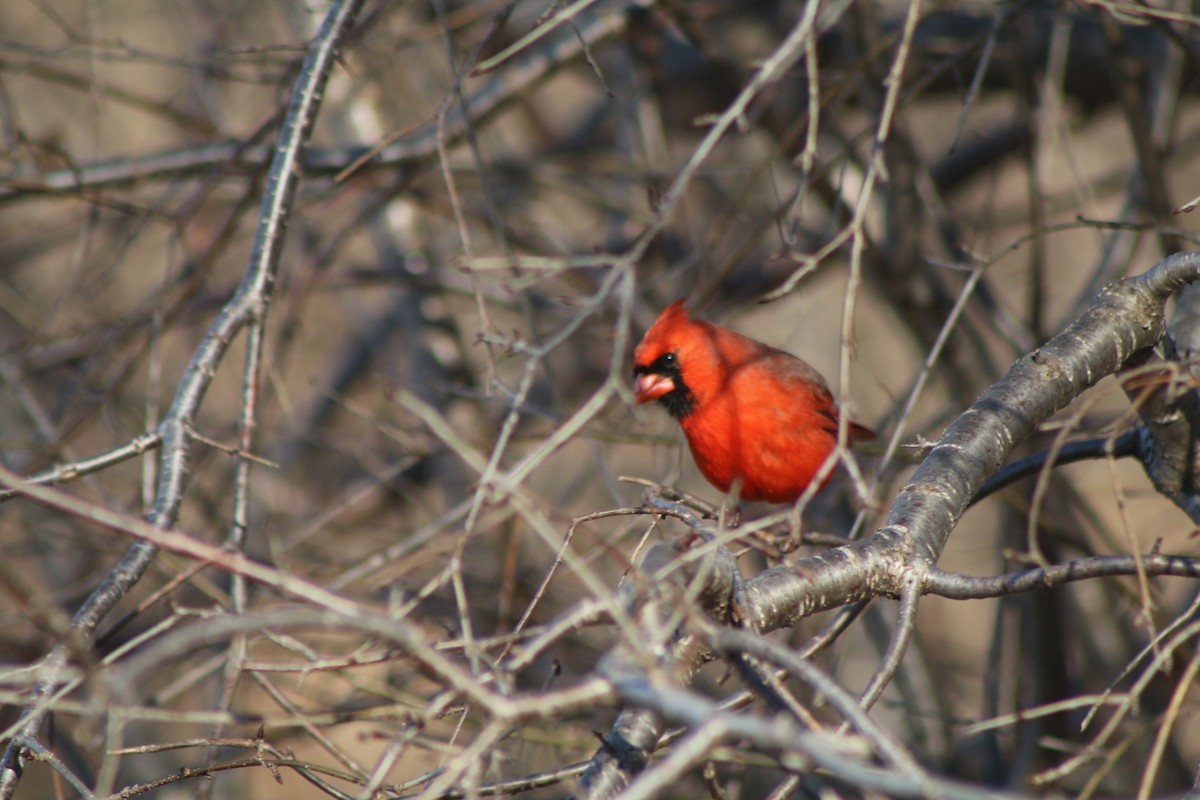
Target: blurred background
[470,244]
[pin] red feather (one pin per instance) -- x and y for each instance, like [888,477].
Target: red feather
[753,415]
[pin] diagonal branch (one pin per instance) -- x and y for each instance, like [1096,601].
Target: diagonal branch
[248,303]
[1127,318]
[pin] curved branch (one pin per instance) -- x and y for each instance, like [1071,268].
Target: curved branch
[1070,453]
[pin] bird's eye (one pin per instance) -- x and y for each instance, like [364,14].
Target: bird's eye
[668,360]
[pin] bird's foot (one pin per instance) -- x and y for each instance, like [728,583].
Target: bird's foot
[730,516]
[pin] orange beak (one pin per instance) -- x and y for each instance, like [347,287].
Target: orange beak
[649,386]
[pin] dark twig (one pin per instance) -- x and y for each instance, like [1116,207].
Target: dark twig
[1124,445]
[968,587]
[906,626]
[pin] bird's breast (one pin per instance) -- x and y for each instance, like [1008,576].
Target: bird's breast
[770,445]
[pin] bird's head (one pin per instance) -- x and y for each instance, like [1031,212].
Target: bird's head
[662,360]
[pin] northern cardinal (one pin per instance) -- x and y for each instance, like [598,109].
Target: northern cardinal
[754,416]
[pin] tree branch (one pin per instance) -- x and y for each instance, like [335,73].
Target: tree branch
[248,303]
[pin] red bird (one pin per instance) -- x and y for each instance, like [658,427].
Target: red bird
[754,416]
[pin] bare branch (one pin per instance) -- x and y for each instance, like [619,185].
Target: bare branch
[249,303]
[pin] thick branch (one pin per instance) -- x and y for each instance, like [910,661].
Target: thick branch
[1126,319]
